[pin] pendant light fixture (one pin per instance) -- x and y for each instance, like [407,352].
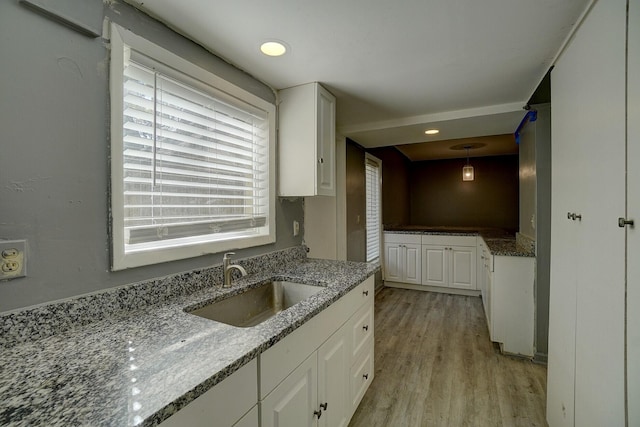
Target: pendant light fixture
[467,170]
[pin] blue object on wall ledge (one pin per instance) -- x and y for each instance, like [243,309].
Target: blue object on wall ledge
[531,116]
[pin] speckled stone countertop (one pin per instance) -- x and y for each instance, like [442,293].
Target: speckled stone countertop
[139,367]
[499,242]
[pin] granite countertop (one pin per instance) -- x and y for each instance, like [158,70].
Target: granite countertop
[500,242]
[140,367]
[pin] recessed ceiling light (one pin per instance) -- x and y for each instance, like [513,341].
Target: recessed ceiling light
[273,48]
[431,131]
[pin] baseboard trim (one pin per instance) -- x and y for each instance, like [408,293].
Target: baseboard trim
[427,288]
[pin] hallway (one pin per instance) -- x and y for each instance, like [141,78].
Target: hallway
[435,366]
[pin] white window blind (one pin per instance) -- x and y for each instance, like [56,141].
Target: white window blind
[373,220]
[194,163]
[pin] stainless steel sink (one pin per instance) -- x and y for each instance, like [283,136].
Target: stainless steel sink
[258,304]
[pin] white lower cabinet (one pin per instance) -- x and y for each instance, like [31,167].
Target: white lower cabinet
[508,298]
[295,400]
[438,261]
[250,419]
[315,376]
[449,266]
[402,258]
[449,261]
[333,380]
[316,391]
[232,402]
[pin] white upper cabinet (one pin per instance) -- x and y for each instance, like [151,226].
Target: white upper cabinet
[307,117]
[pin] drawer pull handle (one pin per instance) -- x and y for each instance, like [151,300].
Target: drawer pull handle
[365,376]
[365,327]
[365,293]
[324,406]
[318,413]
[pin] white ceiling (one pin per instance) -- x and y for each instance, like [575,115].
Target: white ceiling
[397,67]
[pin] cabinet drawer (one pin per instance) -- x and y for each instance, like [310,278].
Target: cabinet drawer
[361,329]
[361,374]
[402,238]
[448,240]
[250,419]
[226,402]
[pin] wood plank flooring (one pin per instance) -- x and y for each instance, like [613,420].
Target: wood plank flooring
[435,366]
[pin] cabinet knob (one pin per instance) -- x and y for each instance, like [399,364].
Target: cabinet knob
[365,327]
[573,216]
[318,413]
[623,221]
[365,376]
[321,161]
[324,405]
[365,293]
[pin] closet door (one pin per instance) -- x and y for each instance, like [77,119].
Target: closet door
[586,332]
[633,212]
[600,399]
[564,250]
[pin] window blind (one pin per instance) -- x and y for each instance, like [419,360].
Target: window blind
[194,168]
[373,220]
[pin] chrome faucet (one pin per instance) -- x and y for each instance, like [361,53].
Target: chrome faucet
[228,267]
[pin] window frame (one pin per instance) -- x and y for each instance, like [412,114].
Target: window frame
[369,158]
[122,39]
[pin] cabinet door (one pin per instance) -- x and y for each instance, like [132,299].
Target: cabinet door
[293,402]
[412,264]
[225,403]
[462,267]
[489,294]
[326,143]
[480,267]
[434,265]
[250,419]
[333,379]
[392,262]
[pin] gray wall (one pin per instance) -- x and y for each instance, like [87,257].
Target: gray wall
[527,158]
[396,182]
[54,121]
[356,203]
[439,197]
[543,227]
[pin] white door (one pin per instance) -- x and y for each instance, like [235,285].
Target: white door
[434,265]
[412,267]
[393,262]
[586,312]
[462,270]
[633,212]
[293,402]
[333,380]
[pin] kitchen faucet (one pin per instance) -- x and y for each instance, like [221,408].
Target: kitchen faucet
[228,267]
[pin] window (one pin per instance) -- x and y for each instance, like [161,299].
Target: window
[373,200]
[192,161]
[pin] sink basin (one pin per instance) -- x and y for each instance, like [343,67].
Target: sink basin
[258,304]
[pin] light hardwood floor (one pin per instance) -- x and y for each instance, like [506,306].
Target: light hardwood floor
[435,366]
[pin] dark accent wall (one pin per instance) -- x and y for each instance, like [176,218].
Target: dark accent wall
[54,116]
[356,203]
[396,183]
[439,197]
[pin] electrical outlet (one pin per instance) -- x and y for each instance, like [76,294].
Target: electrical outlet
[296,228]
[13,259]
